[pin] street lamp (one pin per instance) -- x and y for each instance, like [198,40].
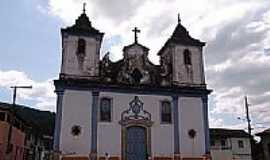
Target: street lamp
[12,109]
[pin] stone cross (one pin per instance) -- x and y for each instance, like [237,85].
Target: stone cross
[136,31]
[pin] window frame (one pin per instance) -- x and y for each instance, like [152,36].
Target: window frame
[268,148]
[111,110]
[240,144]
[160,108]
[221,142]
[4,114]
[212,142]
[81,43]
[187,56]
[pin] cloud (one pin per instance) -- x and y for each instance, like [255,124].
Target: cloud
[236,31]
[42,93]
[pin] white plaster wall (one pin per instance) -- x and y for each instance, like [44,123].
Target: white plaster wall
[221,154]
[179,68]
[162,134]
[70,62]
[191,117]
[76,111]
[241,151]
[233,151]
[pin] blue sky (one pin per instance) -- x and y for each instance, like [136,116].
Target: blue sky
[31,39]
[236,31]
[30,42]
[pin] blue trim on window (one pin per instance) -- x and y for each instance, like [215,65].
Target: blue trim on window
[160,109]
[111,109]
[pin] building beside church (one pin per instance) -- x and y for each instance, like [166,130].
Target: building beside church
[265,143]
[229,144]
[131,109]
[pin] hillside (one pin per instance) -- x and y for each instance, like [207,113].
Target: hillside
[40,121]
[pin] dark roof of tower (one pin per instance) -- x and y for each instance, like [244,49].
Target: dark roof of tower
[82,26]
[181,36]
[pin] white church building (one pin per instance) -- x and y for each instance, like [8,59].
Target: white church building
[131,109]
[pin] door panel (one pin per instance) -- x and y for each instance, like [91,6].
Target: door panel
[136,143]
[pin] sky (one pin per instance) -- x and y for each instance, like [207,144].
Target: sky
[237,54]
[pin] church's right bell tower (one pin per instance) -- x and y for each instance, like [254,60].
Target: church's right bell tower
[80,50]
[184,54]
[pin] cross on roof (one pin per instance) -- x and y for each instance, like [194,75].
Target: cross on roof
[136,31]
[84,5]
[179,19]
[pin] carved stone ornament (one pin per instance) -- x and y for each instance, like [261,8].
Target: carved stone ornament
[135,111]
[166,70]
[105,67]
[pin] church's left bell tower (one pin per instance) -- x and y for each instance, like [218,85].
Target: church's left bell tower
[80,50]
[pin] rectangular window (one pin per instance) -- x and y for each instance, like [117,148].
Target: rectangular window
[166,112]
[105,110]
[187,57]
[2,116]
[268,146]
[240,144]
[223,143]
[212,142]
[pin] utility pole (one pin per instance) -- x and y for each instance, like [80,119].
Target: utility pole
[12,117]
[248,122]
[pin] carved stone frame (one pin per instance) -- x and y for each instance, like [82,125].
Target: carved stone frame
[135,123]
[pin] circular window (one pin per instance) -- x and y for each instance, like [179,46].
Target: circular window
[76,130]
[192,133]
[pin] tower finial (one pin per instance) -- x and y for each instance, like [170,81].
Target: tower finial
[84,5]
[179,19]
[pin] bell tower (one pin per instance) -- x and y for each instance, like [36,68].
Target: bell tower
[185,56]
[80,50]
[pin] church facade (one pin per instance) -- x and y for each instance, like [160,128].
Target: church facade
[131,109]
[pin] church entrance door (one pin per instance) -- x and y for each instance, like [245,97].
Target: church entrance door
[136,143]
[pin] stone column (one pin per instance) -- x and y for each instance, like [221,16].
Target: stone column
[58,120]
[176,127]
[94,123]
[206,124]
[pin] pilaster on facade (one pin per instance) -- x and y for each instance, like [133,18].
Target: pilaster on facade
[95,103]
[58,119]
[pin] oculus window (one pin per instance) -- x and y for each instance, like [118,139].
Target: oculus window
[76,130]
[105,110]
